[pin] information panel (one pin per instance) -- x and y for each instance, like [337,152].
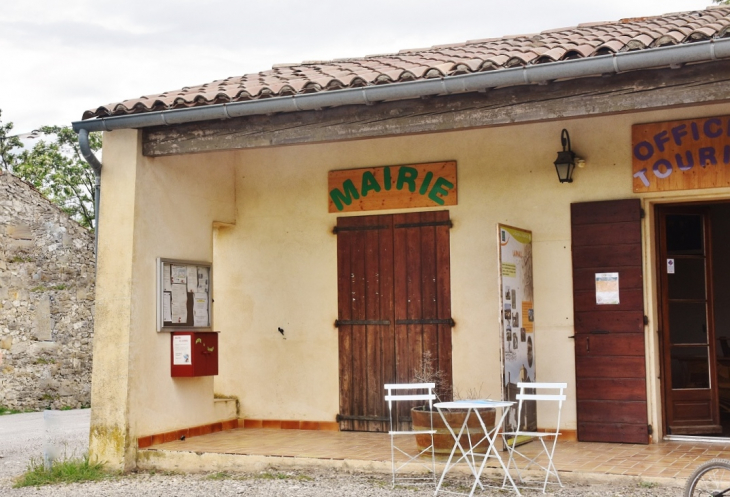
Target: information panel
[518,319]
[183,295]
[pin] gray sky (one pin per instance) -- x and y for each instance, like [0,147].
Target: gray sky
[60,58]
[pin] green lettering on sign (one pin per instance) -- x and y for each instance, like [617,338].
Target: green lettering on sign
[407,175]
[369,183]
[350,193]
[438,189]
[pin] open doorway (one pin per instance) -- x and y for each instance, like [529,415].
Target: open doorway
[693,241]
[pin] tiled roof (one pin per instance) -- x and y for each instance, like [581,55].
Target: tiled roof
[584,40]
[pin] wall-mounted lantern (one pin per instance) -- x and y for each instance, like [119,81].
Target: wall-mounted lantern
[565,163]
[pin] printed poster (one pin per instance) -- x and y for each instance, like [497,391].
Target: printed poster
[517,319]
[607,289]
[181,350]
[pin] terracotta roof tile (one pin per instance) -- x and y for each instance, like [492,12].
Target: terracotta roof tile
[582,41]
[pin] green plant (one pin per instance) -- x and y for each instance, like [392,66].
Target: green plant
[220,475]
[59,287]
[647,484]
[43,360]
[62,471]
[38,289]
[6,410]
[19,258]
[273,476]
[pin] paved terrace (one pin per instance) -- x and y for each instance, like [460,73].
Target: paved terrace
[253,449]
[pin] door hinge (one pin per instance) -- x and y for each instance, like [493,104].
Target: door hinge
[650,430]
[643,213]
[646,320]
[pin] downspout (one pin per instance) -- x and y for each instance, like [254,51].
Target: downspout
[96,166]
[652,58]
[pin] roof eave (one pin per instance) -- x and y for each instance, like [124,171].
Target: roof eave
[676,55]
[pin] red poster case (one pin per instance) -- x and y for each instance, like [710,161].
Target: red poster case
[193,353]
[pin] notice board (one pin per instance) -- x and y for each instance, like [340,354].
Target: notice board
[183,295]
[518,319]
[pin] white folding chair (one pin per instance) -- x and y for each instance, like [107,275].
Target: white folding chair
[409,392]
[512,439]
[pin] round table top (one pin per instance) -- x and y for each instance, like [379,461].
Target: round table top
[473,404]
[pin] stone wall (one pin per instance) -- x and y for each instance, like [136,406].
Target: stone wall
[46,302]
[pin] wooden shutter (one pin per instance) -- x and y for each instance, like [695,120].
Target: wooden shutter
[394,299]
[609,339]
[365,310]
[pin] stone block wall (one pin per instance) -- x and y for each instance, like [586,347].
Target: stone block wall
[47,272]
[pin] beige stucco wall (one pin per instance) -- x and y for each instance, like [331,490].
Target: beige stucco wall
[149,208]
[274,265]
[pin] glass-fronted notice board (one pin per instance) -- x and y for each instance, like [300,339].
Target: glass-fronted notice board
[183,295]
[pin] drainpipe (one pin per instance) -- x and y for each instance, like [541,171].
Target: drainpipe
[96,166]
[652,58]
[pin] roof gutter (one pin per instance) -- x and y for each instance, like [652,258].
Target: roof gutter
[705,51]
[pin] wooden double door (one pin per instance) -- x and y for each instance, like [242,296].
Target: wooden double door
[394,308]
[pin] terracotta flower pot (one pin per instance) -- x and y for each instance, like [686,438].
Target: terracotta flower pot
[443,442]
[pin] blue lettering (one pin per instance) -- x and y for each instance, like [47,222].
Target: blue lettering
[709,132]
[660,139]
[681,165]
[642,176]
[678,132]
[643,150]
[707,156]
[667,165]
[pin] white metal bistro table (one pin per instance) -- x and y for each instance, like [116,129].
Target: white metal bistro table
[490,436]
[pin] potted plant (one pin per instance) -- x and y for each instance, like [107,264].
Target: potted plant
[421,417]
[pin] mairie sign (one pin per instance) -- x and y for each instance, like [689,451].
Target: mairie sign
[681,155]
[392,187]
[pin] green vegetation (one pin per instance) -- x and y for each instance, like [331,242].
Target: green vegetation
[54,166]
[65,471]
[220,475]
[273,476]
[6,410]
[20,258]
[43,360]
[647,484]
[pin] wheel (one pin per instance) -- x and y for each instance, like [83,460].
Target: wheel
[710,479]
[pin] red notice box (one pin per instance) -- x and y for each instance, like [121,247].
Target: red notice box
[194,353]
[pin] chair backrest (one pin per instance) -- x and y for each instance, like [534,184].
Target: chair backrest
[556,394]
[416,391]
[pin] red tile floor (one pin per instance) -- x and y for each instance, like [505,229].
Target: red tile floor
[663,460]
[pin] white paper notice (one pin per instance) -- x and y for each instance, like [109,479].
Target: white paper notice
[181,349]
[179,303]
[179,274]
[200,310]
[166,278]
[192,278]
[167,306]
[203,279]
[670,266]
[607,289]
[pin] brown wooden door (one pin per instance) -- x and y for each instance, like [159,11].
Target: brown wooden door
[609,339]
[687,325]
[394,306]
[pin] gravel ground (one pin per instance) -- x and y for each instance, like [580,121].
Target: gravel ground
[23,436]
[306,484]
